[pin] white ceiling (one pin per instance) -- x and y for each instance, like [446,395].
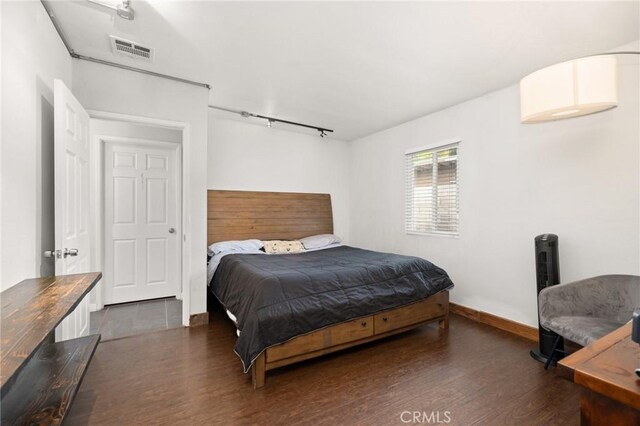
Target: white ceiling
[355,67]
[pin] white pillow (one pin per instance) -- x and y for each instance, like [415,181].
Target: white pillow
[319,241]
[243,245]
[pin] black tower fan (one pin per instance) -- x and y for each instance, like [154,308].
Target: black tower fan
[547,274]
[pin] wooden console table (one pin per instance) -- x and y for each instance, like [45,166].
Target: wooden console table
[606,371]
[38,377]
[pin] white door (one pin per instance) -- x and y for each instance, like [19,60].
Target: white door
[71,187]
[142,226]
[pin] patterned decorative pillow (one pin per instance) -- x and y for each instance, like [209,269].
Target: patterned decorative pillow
[283,247]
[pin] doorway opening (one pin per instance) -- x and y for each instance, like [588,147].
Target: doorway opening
[138,213]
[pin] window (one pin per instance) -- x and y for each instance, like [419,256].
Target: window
[432,190]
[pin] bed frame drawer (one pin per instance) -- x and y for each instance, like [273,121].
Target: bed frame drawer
[415,313]
[331,336]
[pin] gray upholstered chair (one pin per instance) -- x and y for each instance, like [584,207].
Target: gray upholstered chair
[586,310]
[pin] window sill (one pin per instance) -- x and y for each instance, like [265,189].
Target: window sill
[433,234]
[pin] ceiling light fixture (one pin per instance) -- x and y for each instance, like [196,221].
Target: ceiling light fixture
[271,120]
[123,9]
[571,89]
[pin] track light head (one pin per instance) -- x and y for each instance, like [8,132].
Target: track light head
[125,11]
[269,122]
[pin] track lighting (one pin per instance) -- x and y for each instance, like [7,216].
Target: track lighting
[271,120]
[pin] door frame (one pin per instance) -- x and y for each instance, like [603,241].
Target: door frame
[97,201]
[137,142]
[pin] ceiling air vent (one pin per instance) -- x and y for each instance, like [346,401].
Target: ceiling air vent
[128,48]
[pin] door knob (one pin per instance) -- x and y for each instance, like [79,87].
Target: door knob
[69,252]
[172,230]
[53,253]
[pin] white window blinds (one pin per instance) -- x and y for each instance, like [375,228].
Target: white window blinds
[432,191]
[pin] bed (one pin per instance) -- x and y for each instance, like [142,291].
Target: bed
[293,307]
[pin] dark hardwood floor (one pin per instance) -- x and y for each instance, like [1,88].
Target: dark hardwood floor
[479,374]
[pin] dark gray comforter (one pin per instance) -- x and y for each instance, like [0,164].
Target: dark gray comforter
[276,298]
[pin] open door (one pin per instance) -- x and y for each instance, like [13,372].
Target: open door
[71,187]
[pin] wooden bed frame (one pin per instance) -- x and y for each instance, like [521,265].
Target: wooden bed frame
[236,215]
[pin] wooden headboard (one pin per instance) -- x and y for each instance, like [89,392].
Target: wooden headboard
[240,215]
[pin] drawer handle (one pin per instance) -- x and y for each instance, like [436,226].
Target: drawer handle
[385,319]
[364,323]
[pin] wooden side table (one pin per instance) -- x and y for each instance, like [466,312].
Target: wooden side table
[606,371]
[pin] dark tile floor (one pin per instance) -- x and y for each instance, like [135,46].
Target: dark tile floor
[129,319]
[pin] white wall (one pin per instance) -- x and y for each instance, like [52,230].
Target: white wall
[100,127]
[32,56]
[578,178]
[246,156]
[108,89]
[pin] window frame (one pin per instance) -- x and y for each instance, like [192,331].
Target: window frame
[433,148]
